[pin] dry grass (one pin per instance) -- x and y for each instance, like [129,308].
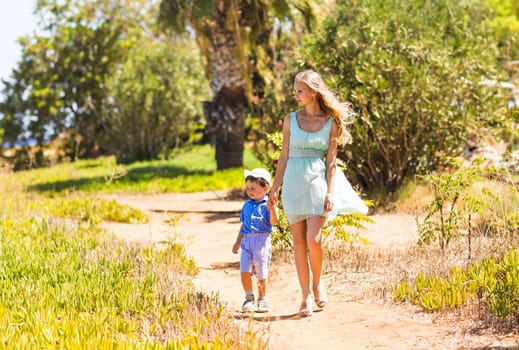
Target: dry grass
[373,272]
[359,272]
[5,168]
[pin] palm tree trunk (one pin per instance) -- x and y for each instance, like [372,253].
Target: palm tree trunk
[225,117]
[225,114]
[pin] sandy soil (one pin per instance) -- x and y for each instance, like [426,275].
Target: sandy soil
[208,225]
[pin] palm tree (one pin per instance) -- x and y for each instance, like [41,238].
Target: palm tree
[226,31]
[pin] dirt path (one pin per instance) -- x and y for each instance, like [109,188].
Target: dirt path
[350,321]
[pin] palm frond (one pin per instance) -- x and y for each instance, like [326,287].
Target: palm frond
[178,14]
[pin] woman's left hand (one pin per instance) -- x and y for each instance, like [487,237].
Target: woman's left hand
[328,202]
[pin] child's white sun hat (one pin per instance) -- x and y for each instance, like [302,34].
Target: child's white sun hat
[258,173]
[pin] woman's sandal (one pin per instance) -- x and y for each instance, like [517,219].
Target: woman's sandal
[322,300]
[306,309]
[321,303]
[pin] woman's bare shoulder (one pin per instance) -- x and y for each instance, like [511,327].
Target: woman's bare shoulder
[286,118]
[286,124]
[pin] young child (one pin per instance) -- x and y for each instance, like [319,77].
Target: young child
[257,218]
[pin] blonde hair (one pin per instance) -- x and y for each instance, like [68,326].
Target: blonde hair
[341,112]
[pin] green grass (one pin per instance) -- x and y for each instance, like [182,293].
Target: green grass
[71,286]
[192,170]
[64,283]
[93,209]
[67,284]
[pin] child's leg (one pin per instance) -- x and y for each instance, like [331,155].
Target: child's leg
[246,281]
[246,265]
[263,256]
[262,288]
[262,291]
[245,274]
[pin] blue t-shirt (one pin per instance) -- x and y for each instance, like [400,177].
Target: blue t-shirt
[255,217]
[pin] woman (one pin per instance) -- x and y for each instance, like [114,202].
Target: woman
[314,189]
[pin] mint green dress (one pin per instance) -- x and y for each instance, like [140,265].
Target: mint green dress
[304,180]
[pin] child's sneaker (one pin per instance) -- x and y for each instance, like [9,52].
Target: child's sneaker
[262,305]
[248,306]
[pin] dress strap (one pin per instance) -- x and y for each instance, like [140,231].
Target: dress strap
[293,122]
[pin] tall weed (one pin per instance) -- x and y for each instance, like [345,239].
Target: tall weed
[470,204]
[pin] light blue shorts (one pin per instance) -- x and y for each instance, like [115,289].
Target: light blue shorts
[256,252]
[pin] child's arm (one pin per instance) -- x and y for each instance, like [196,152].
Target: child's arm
[236,245]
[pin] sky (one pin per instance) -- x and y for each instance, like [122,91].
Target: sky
[16,20]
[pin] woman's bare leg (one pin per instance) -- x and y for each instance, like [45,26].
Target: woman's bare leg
[303,271]
[315,250]
[301,257]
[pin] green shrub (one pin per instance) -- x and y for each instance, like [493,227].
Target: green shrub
[412,71]
[499,281]
[147,117]
[494,281]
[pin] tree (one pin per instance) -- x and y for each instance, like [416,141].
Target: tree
[504,21]
[227,32]
[155,99]
[412,70]
[59,86]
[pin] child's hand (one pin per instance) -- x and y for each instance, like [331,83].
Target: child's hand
[235,248]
